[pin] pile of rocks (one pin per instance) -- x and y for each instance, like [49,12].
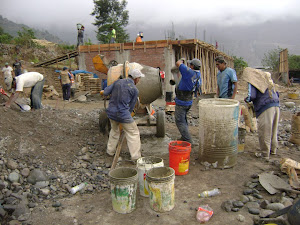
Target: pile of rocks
[254,202]
[22,187]
[27,180]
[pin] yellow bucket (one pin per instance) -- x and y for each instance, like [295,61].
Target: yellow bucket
[293,95]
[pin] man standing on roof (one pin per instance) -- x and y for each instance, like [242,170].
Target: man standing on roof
[226,79]
[184,95]
[139,37]
[80,34]
[124,95]
[34,80]
[113,35]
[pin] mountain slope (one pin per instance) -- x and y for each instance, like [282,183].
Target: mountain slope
[13,28]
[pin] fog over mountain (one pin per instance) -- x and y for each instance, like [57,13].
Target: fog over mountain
[248,42]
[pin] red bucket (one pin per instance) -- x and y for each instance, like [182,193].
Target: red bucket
[179,156]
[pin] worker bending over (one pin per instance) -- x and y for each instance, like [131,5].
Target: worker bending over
[34,80]
[123,97]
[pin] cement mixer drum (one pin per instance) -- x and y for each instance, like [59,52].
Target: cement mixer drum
[150,86]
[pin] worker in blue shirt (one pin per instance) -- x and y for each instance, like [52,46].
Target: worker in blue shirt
[190,78]
[266,106]
[123,96]
[226,79]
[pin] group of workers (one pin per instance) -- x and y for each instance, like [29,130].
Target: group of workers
[124,96]
[112,35]
[20,80]
[35,81]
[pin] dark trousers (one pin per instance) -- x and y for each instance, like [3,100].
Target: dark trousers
[66,90]
[18,72]
[36,95]
[182,123]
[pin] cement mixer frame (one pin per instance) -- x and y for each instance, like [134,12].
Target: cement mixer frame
[150,89]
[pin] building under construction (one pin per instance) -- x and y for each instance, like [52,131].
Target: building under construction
[161,53]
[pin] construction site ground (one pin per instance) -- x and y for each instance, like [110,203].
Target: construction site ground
[58,133]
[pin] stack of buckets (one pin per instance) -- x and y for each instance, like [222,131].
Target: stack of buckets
[155,180]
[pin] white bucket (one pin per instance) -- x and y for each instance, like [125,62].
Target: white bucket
[143,165]
[162,189]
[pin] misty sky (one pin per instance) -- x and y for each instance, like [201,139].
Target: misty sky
[63,15]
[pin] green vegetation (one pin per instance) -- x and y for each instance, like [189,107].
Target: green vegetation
[271,59]
[35,60]
[67,47]
[239,64]
[25,38]
[89,42]
[294,62]
[111,13]
[5,38]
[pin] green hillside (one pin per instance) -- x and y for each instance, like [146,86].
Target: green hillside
[13,28]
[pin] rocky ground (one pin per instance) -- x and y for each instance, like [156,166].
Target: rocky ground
[44,153]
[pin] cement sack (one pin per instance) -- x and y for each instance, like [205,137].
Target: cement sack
[292,168]
[295,131]
[256,78]
[115,72]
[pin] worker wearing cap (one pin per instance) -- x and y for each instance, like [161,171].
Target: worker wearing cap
[7,76]
[123,97]
[190,77]
[65,81]
[34,80]
[226,79]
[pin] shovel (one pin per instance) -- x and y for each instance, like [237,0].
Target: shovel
[4,93]
[273,183]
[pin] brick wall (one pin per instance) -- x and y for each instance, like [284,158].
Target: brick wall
[153,57]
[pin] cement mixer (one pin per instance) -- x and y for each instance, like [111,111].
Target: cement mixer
[150,89]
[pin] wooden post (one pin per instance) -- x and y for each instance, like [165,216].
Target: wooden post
[69,60]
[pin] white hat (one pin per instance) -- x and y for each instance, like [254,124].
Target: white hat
[135,73]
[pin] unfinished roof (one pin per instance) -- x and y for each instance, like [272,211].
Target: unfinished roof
[192,43]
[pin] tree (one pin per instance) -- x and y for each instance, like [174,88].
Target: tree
[111,13]
[25,37]
[239,63]
[294,62]
[271,59]
[5,38]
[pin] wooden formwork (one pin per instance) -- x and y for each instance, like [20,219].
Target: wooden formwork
[207,54]
[187,49]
